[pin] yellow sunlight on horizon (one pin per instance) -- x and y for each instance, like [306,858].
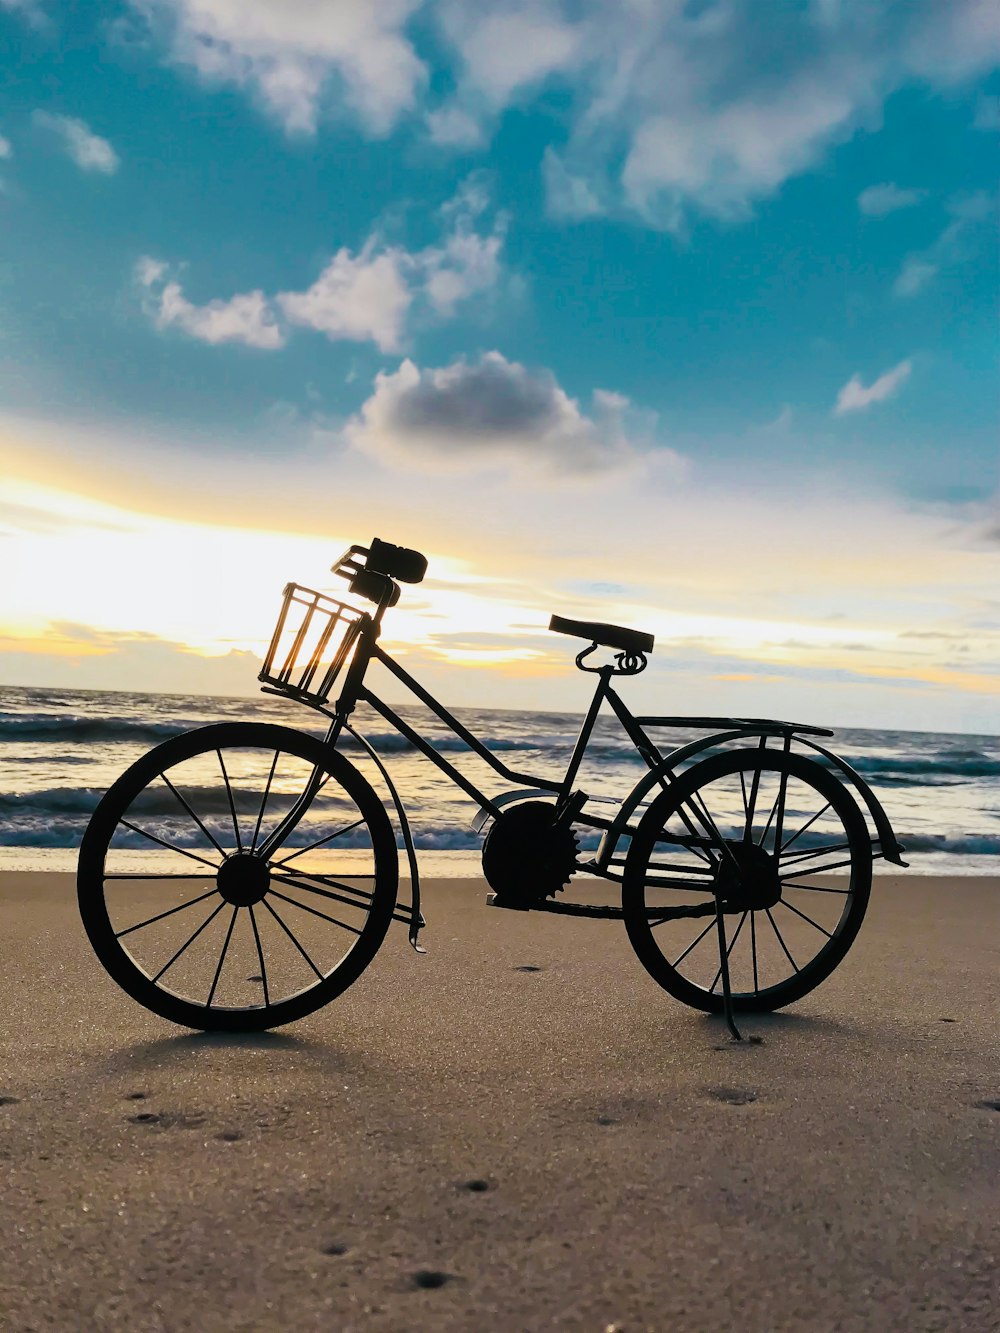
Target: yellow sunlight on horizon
[93,575]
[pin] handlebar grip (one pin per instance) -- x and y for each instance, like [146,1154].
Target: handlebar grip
[398,562]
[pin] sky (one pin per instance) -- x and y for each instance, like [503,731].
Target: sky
[676,315]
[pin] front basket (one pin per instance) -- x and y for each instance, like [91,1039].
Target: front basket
[314,637]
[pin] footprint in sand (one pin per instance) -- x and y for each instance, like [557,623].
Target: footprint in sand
[169,1119]
[335,1249]
[527,967]
[477,1186]
[9,1101]
[989,1104]
[430,1277]
[732,1096]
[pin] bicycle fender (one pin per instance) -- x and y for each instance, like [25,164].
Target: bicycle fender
[890,846]
[417,921]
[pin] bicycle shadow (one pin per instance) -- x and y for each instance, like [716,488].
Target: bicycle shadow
[759,1029]
[187,1050]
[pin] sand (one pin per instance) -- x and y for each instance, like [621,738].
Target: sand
[564,1147]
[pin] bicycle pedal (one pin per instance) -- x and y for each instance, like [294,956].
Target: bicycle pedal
[494,900]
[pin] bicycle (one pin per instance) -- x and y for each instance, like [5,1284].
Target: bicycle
[258,826]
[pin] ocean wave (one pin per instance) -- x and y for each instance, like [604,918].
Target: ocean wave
[946,763]
[969,844]
[75,729]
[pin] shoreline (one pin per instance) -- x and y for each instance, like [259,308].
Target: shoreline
[521,1114]
[466,864]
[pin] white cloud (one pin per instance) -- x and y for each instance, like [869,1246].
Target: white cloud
[297,55]
[914,277]
[506,48]
[371,295]
[474,415]
[88,150]
[854,397]
[567,196]
[246,318]
[6,148]
[365,297]
[358,297]
[453,127]
[878,200]
[465,264]
[705,109]
[955,244]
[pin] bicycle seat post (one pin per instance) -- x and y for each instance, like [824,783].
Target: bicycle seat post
[604,675]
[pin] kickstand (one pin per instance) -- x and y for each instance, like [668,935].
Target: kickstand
[727,998]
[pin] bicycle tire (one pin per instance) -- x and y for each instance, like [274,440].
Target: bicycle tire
[207,841]
[667,812]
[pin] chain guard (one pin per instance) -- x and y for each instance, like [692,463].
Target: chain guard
[526,857]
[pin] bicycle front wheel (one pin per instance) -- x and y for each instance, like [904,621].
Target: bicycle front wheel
[212,908]
[780,840]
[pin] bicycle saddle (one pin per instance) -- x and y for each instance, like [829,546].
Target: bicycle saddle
[609,636]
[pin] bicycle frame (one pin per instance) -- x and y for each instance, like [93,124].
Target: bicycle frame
[568,803]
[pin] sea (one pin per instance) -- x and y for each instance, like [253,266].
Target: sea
[60,749]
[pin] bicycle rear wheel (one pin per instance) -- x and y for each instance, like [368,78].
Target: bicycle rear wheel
[205,910]
[779,838]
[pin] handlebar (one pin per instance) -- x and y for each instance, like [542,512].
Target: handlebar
[372,570]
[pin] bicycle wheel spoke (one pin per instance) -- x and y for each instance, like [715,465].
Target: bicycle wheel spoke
[816,870]
[814,888]
[187,943]
[232,803]
[752,804]
[315,912]
[778,808]
[694,943]
[298,946]
[154,874]
[716,841]
[763,837]
[729,950]
[780,939]
[187,807]
[263,802]
[800,857]
[260,957]
[821,929]
[294,881]
[679,869]
[222,957]
[301,851]
[809,822]
[119,934]
[134,828]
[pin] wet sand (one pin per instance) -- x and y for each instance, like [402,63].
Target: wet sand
[524,1122]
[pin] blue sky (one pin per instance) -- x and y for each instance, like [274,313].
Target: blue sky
[679,310]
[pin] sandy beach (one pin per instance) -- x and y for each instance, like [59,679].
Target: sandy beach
[522,1122]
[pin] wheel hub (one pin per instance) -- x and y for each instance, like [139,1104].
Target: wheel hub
[243,879]
[747,877]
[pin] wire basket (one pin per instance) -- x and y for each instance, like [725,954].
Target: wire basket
[314,637]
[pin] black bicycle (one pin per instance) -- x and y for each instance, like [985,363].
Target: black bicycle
[242,875]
